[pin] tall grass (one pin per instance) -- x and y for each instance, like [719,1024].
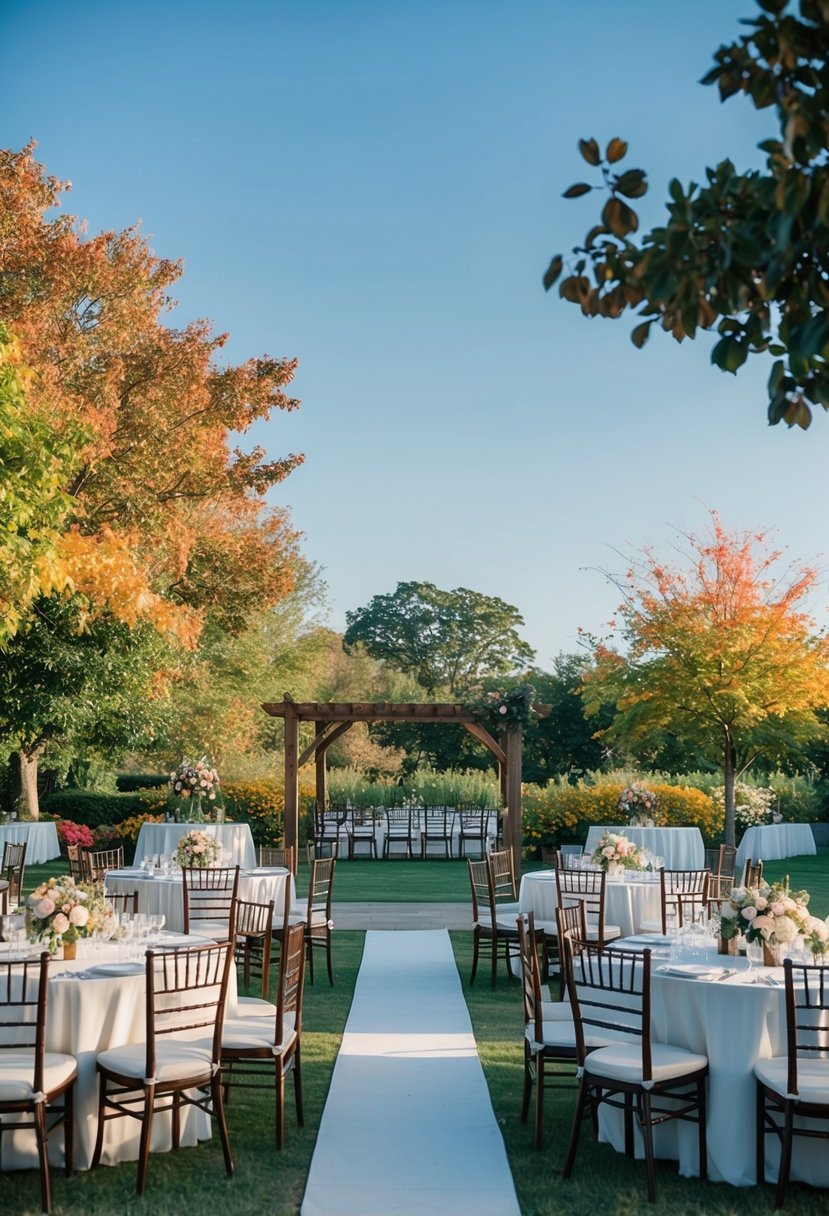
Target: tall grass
[427,787]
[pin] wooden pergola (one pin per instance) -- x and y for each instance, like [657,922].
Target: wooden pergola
[332,719]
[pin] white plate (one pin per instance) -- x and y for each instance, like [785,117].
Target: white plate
[692,970]
[177,941]
[103,969]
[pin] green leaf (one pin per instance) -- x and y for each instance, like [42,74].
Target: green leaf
[578,190]
[809,340]
[616,149]
[590,151]
[778,373]
[553,271]
[675,190]
[729,354]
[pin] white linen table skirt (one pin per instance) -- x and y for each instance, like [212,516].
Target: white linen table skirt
[771,841]
[235,839]
[680,848]
[42,842]
[86,1016]
[164,895]
[627,904]
[735,1023]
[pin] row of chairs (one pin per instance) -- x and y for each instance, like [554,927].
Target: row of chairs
[599,1039]
[407,830]
[90,865]
[193,1053]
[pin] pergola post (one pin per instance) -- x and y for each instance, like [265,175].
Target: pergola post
[321,770]
[291,812]
[512,835]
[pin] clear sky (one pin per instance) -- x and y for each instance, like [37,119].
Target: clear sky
[374,187]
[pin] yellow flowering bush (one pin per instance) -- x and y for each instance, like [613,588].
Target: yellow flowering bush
[261,803]
[560,810]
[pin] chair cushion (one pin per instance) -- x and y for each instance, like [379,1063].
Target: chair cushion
[255,1034]
[212,930]
[503,926]
[812,1078]
[556,1011]
[623,1062]
[650,926]
[17,1067]
[176,1059]
[610,931]
[254,1007]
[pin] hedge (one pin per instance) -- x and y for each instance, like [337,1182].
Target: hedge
[559,812]
[261,804]
[128,782]
[98,809]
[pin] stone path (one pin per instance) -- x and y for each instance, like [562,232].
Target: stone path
[401,916]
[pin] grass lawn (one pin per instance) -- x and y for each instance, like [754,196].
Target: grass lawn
[267,1181]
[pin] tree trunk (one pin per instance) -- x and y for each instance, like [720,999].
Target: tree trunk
[27,799]
[729,835]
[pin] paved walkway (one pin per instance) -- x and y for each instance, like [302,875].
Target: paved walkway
[401,916]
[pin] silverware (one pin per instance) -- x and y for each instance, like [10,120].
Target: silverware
[726,974]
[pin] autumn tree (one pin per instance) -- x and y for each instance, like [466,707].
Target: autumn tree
[746,254]
[719,652]
[163,517]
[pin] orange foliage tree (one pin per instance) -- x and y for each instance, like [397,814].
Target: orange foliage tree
[720,654]
[163,516]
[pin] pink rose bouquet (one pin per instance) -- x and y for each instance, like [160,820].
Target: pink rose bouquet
[60,911]
[614,849]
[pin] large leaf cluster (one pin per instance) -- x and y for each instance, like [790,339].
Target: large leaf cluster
[744,254]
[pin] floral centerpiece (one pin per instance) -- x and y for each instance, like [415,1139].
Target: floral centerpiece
[614,852]
[772,914]
[198,849]
[60,911]
[510,710]
[196,783]
[638,803]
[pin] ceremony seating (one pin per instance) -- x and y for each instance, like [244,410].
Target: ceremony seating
[362,831]
[399,830]
[473,829]
[437,828]
[489,922]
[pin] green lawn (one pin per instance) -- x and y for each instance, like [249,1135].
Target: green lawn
[270,1182]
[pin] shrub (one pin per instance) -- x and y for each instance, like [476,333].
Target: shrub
[128,782]
[560,812]
[102,809]
[75,833]
[261,804]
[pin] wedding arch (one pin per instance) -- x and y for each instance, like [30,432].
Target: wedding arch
[332,719]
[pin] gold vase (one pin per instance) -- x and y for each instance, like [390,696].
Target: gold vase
[70,950]
[727,945]
[769,956]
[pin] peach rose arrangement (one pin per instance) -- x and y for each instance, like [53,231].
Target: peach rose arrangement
[198,849]
[60,911]
[613,849]
[772,914]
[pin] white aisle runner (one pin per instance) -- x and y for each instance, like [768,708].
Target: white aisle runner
[408,1127]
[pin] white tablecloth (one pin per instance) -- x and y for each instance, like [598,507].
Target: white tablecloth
[680,848]
[84,1017]
[775,840]
[735,1023]
[165,894]
[42,842]
[235,839]
[627,904]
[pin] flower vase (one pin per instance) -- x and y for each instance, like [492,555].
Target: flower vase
[70,951]
[727,945]
[195,811]
[615,869]
[770,956]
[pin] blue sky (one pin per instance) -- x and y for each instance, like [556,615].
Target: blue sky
[375,188]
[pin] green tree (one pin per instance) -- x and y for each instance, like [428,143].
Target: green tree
[65,688]
[448,640]
[565,742]
[720,654]
[746,254]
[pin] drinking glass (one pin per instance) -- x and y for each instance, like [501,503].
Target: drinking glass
[754,954]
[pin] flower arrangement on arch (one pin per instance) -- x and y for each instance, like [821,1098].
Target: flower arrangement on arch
[61,910]
[510,710]
[613,849]
[770,913]
[638,803]
[198,849]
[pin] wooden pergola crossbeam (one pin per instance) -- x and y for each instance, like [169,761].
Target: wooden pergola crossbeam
[333,719]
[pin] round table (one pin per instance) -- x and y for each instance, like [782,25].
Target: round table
[735,1023]
[771,841]
[626,903]
[87,1015]
[41,839]
[159,838]
[679,848]
[164,894]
